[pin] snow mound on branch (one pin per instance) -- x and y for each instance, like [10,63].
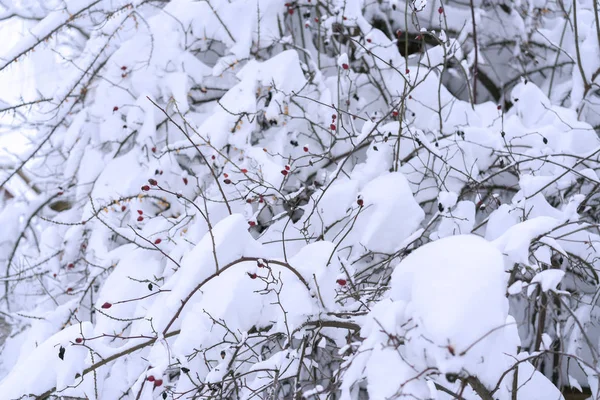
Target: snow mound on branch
[391,211]
[450,284]
[44,369]
[447,312]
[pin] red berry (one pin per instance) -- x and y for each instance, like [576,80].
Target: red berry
[123,208]
[213,157]
[54,275]
[244,171]
[316,19]
[71,266]
[106,305]
[341,282]
[252,276]
[261,199]
[287,167]
[368,40]
[360,202]
[332,126]
[150,378]
[115,108]
[152,182]
[154,149]
[140,212]
[158,383]
[499,107]
[407,71]
[441,10]
[185,181]
[291,11]
[78,340]
[284,172]
[60,193]
[345,66]
[333,116]
[123,68]
[157,241]
[249,201]
[305,149]
[395,113]
[251,223]
[69,290]
[140,218]
[145,188]
[227,181]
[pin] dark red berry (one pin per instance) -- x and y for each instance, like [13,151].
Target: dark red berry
[71,266]
[249,201]
[78,340]
[227,181]
[252,276]
[140,218]
[251,223]
[150,378]
[153,149]
[333,116]
[69,290]
[332,126]
[284,172]
[123,68]
[153,182]
[499,107]
[305,149]
[291,11]
[158,383]
[360,202]
[123,208]
[441,10]
[287,167]
[157,241]
[341,282]
[185,181]
[244,171]
[140,212]
[145,188]
[106,305]
[345,66]
[368,40]
[407,71]
[115,108]
[395,113]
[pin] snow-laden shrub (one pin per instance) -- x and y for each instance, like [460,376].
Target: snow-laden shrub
[307,199]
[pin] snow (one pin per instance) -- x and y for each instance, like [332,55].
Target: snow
[266,199]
